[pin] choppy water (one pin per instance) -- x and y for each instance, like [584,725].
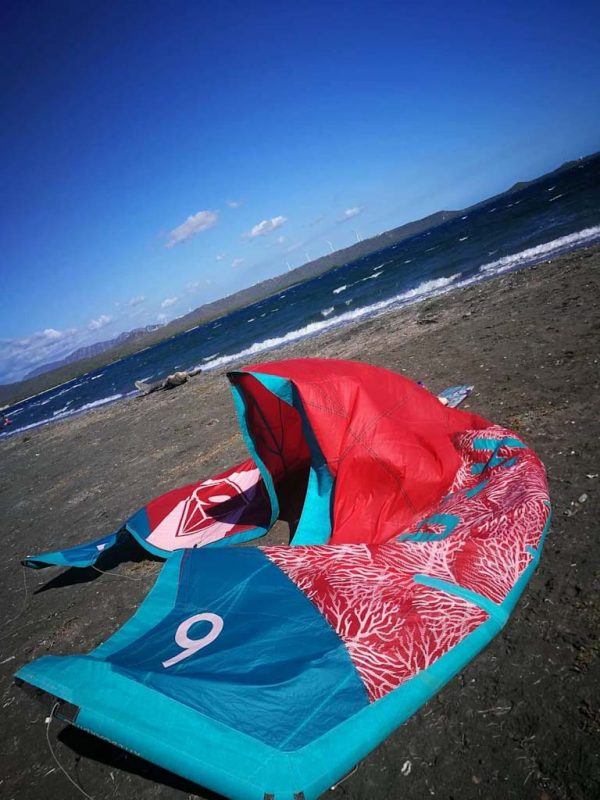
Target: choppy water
[550,217]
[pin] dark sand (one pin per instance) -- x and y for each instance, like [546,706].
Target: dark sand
[522,721]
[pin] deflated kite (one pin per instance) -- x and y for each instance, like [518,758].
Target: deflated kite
[267,673]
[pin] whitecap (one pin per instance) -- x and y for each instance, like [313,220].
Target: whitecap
[102,402]
[420,292]
[541,251]
[431,288]
[62,414]
[340,289]
[62,410]
[325,312]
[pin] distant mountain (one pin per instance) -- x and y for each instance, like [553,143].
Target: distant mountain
[92,350]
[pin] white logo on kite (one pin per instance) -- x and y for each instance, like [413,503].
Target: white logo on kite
[192,646]
[198,519]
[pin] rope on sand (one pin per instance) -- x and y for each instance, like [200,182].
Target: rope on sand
[48,722]
[116,574]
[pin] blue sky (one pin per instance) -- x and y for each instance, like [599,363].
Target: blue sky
[156,156]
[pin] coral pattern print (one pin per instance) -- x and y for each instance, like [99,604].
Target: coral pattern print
[392,627]
[206,512]
[379,599]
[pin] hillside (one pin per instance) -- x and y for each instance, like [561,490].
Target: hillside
[93,350]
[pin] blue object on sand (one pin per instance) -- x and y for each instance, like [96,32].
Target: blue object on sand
[455,395]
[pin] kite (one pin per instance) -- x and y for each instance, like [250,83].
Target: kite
[269,672]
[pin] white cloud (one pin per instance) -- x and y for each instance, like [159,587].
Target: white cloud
[52,334]
[280,239]
[266,226]
[201,221]
[220,257]
[234,203]
[192,285]
[20,356]
[351,212]
[162,318]
[137,300]
[237,262]
[169,301]
[101,322]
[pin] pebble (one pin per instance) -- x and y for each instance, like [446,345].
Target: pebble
[582,498]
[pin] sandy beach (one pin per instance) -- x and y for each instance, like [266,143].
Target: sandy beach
[522,721]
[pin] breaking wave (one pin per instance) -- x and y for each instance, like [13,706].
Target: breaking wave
[420,292]
[541,251]
[340,288]
[61,410]
[426,289]
[63,413]
[103,401]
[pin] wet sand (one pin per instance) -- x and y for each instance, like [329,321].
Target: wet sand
[522,721]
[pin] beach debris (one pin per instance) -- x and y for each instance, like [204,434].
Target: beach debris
[576,505]
[170,382]
[406,768]
[345,778]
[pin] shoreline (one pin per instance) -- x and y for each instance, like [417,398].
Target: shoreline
[521,722]
[348,320]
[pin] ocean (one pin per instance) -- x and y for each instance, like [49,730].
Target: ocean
[554,215]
